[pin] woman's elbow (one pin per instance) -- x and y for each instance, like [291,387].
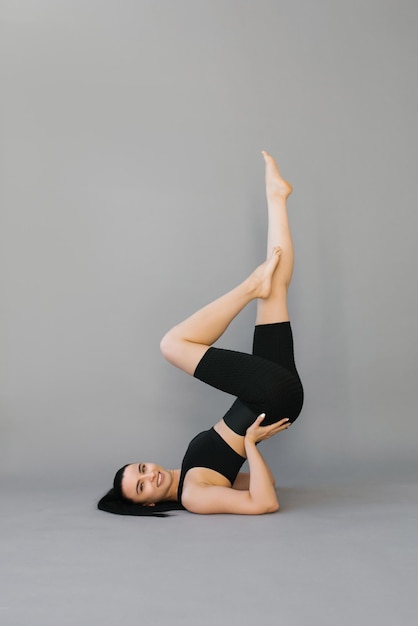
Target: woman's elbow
[274,506]
[271,507]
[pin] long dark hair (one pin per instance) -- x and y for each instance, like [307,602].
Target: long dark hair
[115,502]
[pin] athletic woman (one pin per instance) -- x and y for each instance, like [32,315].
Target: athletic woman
[269,394]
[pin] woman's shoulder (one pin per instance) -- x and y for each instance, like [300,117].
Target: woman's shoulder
[195,487]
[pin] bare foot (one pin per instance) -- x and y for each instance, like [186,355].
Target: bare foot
[275,184]
[260,279]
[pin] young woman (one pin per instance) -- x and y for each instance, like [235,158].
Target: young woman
[265,383]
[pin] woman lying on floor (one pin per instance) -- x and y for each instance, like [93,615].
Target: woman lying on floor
[266,384]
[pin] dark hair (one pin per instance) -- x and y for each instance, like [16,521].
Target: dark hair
[115,502]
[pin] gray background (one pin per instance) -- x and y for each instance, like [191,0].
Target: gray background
[132,194]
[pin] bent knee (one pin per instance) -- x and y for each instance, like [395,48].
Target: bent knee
[285,399]
[181,352]
[169,346]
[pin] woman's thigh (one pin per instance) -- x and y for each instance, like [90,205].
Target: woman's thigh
[260,385]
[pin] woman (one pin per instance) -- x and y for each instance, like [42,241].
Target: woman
[265,382]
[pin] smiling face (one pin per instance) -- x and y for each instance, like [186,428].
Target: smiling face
[147,483]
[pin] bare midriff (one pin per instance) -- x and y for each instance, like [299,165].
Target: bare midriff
[232,439]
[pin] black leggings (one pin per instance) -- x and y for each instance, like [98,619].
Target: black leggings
[265,381]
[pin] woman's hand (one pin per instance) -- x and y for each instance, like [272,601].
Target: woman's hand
[256,433]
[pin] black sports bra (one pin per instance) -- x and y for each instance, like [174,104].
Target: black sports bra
[208,449]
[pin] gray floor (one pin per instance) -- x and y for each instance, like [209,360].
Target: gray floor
[335,554]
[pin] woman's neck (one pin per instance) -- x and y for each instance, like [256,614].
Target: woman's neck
[175,478]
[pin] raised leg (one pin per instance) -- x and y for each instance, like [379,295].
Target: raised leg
[274,307]
[185,344]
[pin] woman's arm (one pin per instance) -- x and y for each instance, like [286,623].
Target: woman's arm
[261,489]
[242,481]
[261,496]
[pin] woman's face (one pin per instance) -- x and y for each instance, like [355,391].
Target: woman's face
[146,483]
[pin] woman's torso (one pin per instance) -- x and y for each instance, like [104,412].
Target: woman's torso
[210,476]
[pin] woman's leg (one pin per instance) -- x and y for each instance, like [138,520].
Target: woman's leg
[274,308]
[267,381]
[185,344]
